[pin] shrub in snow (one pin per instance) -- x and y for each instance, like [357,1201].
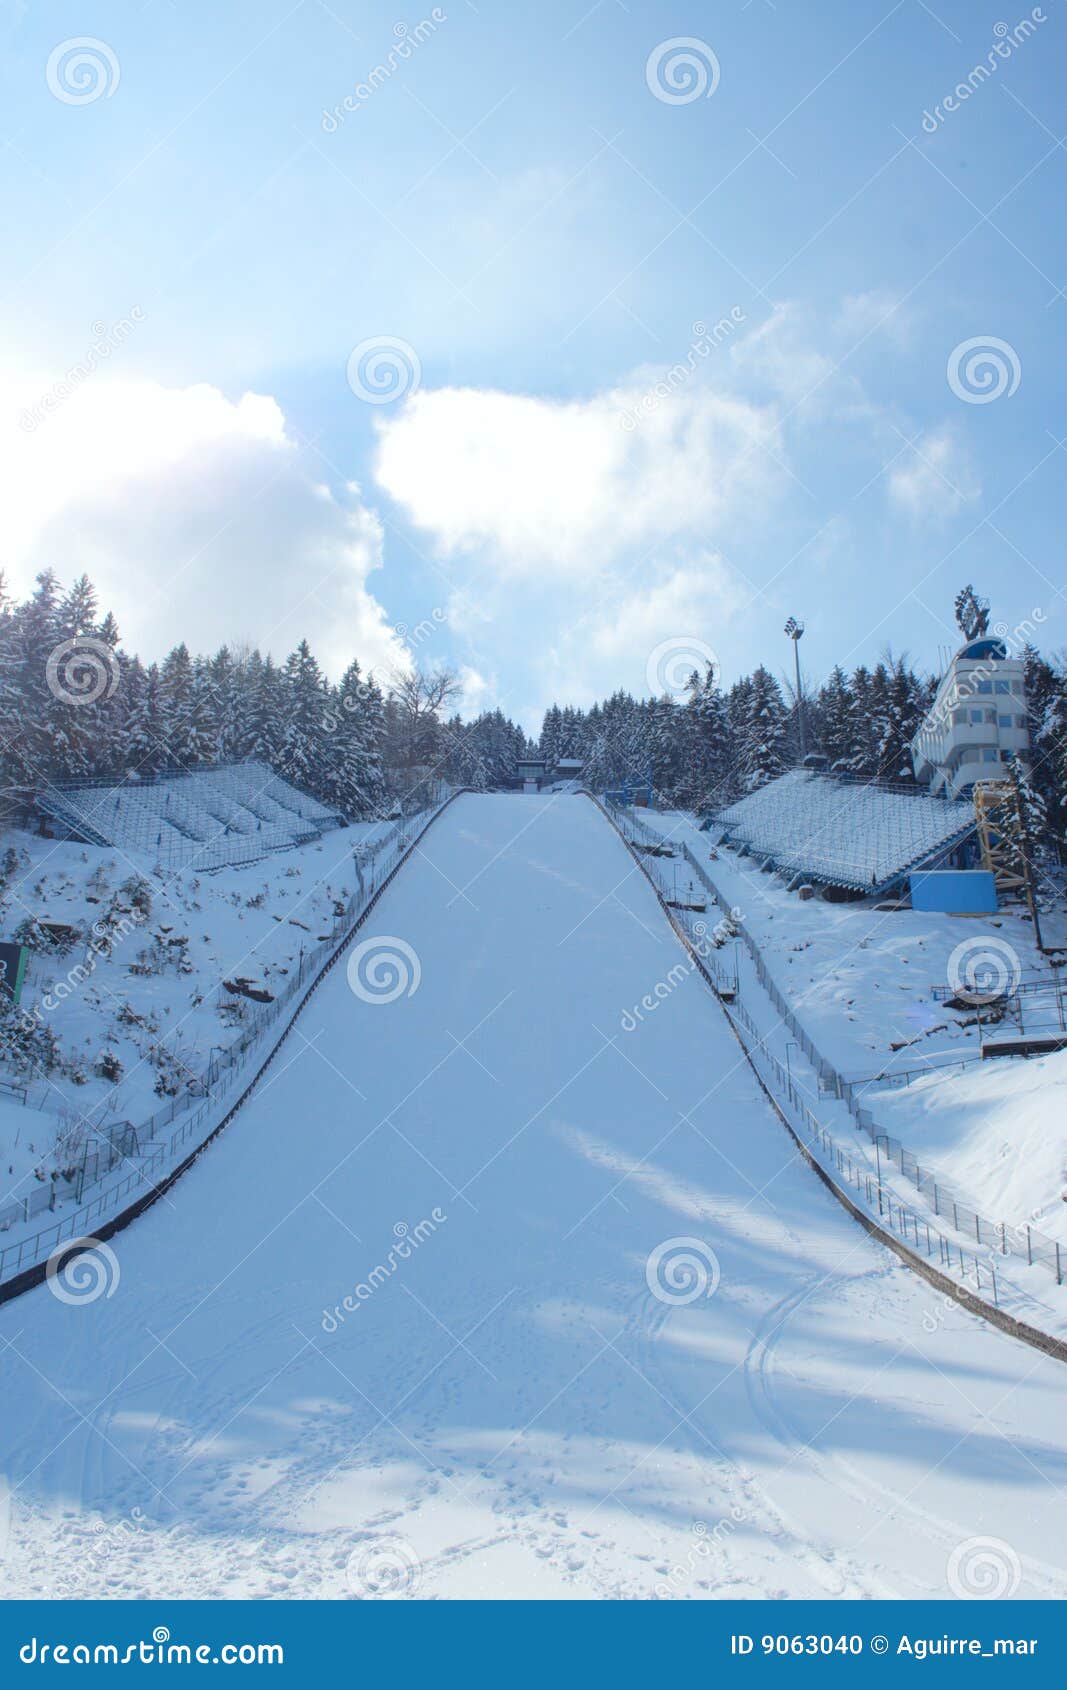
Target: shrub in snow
[27,1043]
[137,894]
[56,940]
[109,1066]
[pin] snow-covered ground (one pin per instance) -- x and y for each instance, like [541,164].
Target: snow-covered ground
[27,1138]
[1001,1128]
[412,1322]
[159,986]
[861,982]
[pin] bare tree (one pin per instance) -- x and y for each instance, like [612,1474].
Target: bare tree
[416,702]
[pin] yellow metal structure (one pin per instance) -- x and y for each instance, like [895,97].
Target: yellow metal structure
[996,810]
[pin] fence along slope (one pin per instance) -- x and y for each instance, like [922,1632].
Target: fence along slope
[905,1224]
[24,1263]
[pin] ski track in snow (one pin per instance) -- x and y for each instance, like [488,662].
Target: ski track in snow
[512,1411]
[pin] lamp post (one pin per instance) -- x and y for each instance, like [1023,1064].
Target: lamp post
[795,630]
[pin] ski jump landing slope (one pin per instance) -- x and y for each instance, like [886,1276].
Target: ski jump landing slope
[505,1407]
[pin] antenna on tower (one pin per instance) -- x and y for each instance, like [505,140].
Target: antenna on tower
[972,613]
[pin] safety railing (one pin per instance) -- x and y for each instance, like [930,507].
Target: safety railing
[1023,1242]
[199,1105]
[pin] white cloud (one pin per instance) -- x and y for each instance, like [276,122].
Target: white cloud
[933,477]
[576,544]
[540,486]
[874,314]
[196,517]
[781,357]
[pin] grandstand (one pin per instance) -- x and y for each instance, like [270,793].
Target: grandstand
[203,819]
[864,837]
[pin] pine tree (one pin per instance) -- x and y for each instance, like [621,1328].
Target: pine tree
[144,742]
[763,732]
[837,719]
[305,704]
[901,714]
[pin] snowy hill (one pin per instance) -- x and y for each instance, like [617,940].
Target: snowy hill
[130,1005]
[481,1296]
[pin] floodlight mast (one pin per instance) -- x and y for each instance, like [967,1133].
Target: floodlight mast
[795,629]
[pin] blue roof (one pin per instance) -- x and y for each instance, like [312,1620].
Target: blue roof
[995,649]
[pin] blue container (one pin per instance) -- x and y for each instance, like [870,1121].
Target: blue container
[954,891]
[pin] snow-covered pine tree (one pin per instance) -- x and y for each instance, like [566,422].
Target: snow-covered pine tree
[837,719]
[264,717]
[707,750]
[763,732]
[176,700]
[144,749]
[305,704]
[902,712]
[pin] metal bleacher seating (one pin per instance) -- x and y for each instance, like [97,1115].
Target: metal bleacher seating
[842,832]
[208,818]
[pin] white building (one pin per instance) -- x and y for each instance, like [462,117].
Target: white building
[977,721]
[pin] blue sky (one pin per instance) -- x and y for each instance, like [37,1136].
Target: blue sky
[546,236]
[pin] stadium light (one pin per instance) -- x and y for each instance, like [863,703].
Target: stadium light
[795,629]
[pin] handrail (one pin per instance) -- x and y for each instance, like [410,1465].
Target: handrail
[1023,1242]
[24,1263]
